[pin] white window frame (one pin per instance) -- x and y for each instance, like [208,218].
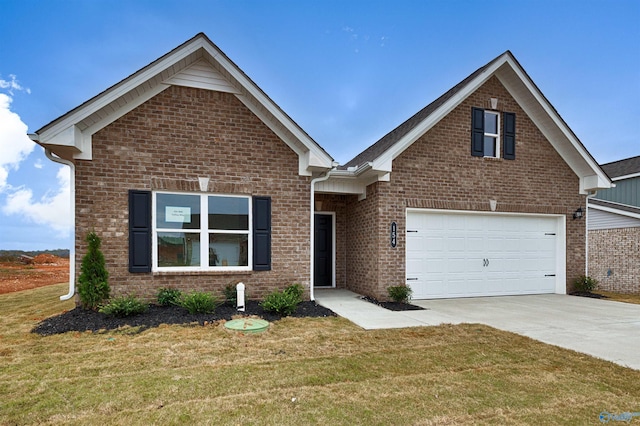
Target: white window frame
[493,135]
[204,232]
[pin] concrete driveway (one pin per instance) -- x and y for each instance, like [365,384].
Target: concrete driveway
[601,328]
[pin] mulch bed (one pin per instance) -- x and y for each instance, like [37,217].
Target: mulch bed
[588,294]
[393,306]
[79,319]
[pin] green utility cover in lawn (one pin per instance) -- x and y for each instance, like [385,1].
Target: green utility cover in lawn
[247,325]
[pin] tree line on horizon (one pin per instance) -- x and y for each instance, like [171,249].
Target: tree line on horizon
[9,254]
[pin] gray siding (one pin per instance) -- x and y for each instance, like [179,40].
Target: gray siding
[626,192]
[599,219]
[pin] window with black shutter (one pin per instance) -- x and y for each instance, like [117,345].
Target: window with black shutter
[488,137]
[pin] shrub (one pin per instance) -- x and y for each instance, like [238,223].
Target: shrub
[199,302]
[585,284]
[283,302]
[124,306]
[400,293]
[93,286]
[169,296]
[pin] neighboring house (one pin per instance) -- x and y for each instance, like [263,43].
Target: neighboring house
[195,179]
[614,229]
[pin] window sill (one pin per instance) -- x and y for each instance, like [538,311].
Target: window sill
[200,273]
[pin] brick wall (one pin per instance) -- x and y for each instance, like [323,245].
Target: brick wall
[167,143]
[438,171]
[614,259]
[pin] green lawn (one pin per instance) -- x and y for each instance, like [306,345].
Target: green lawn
[302,371]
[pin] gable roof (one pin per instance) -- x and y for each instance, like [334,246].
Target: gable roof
[622,169]
[196,63]
[388,140]
[506,68]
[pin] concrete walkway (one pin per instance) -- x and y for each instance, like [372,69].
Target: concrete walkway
[601,328]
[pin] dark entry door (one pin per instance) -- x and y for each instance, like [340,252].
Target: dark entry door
[323,250]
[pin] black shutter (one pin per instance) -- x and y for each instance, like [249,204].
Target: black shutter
[261,233]
[139,231]
[509,136]
[477,132]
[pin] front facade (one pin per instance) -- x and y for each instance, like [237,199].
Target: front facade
[195,179]
[614,229]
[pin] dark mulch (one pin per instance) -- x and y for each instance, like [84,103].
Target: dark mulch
[79,319]
[588,294]
[393,306]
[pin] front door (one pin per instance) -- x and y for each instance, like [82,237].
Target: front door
[323,250]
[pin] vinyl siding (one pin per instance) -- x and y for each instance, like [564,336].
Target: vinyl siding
[626,192]
[599,219]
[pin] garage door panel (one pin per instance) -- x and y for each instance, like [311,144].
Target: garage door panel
[480,254]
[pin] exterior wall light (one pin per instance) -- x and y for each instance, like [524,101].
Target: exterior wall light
[578,213]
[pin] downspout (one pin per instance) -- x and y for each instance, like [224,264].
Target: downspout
[312,227]
[72,250]
[586,225]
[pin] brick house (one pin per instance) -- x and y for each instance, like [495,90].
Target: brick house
[614,229]
[194,178]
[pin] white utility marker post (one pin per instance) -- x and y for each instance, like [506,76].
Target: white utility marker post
[240,296]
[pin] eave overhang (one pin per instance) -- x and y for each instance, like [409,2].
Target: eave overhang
[533,102]
[196,63]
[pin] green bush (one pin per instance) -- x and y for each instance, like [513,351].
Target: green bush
[199,302]
[283,302]
[93,286]
[585,284]
[169,296]
[231,294]
[124,306]
[400,293]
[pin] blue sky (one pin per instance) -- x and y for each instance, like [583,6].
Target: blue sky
[346,71]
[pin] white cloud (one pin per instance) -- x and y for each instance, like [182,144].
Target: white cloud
[38,164]
[15,145]
[12,85]
[53,209]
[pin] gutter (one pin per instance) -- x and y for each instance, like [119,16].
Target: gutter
[326,176]
[72,189]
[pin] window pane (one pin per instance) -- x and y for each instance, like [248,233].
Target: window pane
[489,146]
[491,123]
[178,249]
[177,211]
[229,213]
[228,250]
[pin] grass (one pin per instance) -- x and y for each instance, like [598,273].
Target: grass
[620,297]
[337,373]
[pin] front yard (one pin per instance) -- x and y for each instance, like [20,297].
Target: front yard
[301,371]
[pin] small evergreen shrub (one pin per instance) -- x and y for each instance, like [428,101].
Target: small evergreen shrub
[400,293]
[283,302]
[585,284]
[93,286]
[199,302]
[231,294]
[169,296]
[124,306]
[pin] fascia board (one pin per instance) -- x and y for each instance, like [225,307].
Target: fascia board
[254,92]
[614,210]
[120,89]
[631,176]
[383,162]
[558,122]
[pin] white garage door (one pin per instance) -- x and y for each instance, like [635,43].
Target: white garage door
[466,255]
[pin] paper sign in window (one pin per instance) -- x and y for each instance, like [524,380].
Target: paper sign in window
[178,214]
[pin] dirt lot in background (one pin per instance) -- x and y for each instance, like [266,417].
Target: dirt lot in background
[45,270]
